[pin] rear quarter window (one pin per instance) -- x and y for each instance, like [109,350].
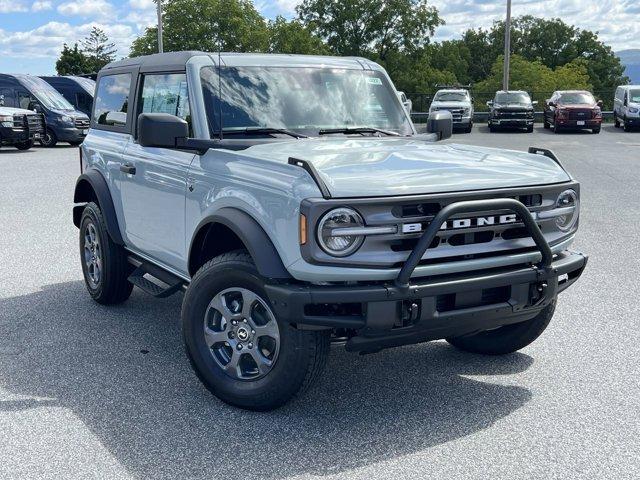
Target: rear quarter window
[112,100]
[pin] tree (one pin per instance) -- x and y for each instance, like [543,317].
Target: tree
[371,28]
[293,37]
[232,25]
[98,50]
[72,61]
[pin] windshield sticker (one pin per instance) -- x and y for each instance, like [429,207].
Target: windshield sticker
[374,81]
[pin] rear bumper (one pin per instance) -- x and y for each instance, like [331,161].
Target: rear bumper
[390,315]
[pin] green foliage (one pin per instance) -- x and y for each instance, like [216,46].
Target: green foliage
[232,25]
[98,50]
[294,37]
[371,28]
[72,61]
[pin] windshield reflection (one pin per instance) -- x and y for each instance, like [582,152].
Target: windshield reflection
[305,100]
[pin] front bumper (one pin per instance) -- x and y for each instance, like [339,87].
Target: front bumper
[428,309]
[590,123]
[11,136]
[511,122]
[70,134]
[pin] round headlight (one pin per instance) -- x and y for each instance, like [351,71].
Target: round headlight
[332,240]
[569,200]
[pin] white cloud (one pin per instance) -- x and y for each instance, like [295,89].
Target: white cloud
[12,6]
[41,6]
[46,41]
[142,4]
[86,8]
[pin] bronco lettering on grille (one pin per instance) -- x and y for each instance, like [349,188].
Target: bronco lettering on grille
[460,223]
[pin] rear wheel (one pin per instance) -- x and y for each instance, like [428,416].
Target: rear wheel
[104,263]
[507,339]
[238,348]
[49,139]
[24,145]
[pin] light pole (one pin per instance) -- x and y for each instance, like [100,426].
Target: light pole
[507,48]
[160,48]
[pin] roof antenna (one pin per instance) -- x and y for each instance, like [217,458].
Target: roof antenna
[220,84]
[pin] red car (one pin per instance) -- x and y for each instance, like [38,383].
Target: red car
[573,109]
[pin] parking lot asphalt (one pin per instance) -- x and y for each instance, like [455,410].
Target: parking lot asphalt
[88,391]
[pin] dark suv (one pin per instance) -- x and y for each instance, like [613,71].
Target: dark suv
[573,109]
[512,109]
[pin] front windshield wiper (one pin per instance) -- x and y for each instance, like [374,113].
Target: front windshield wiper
[262,130]
[360,130]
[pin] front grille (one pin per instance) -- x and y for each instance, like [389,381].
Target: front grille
[511,114]
[456,113]
[82,123]
[33,122]
[579,114]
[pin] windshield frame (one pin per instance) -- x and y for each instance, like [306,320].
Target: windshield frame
[389,104]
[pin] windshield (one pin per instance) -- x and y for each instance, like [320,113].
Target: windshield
[519,97]
[48,96]
[451,97]
[87,84]
[305,100]
[634,96]
[576,97]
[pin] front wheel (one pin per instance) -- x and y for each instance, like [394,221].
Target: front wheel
[238,348]
[595,130]
[529,128]
[625,125]
[616,122]
[24,145]
[507,339]
[49,139]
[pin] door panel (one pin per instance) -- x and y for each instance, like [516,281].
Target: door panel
[154,202]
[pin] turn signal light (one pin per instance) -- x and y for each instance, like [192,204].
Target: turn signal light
[303,229]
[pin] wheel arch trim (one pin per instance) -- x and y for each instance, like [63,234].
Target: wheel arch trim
[252,235]
[95,180]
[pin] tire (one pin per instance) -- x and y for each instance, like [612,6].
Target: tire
[507,339]
[469,128]
[556,128]
[596,130]
[492,128]
[545,124]
[616,122]
[104,263]
[530,129]
[625,125]
[24,145]
[49,140]
[291,360]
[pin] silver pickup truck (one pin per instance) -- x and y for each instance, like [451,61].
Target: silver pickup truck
[292,200]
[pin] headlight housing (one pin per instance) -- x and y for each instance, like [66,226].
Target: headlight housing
[66,119]
[633,110]
[568,200]
[6,120]
[332,240]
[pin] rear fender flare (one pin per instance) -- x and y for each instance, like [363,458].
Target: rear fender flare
[94,179]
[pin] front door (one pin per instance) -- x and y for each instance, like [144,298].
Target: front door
[154,180]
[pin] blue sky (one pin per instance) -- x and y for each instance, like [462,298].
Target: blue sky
[32,31]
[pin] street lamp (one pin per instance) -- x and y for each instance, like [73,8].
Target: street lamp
[507,48]
[160,49]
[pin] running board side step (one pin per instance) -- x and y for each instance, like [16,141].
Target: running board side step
[154,280]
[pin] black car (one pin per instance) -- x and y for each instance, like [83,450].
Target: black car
[78,91]
[63,122]
[511,109]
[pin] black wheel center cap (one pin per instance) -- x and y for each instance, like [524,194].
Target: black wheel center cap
[243,334]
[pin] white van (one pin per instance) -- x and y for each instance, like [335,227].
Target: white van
[626,107]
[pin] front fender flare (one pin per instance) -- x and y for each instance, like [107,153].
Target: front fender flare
[103,196]
[253,236]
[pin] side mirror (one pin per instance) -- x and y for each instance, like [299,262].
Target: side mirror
[35,106]
[440,123]
[535,102]
[551,104]
[161,130]
[490,103]
[600,103]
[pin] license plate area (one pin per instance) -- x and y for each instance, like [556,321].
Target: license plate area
[580,123]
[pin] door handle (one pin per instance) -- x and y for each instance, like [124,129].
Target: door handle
[128,168]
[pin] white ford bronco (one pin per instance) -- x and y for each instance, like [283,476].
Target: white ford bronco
[292,200]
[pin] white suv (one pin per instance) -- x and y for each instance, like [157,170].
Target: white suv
[626,107]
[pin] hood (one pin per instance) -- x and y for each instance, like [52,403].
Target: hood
[577,105]
[372,167]
[513,106]
[436,104]
[15,111]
